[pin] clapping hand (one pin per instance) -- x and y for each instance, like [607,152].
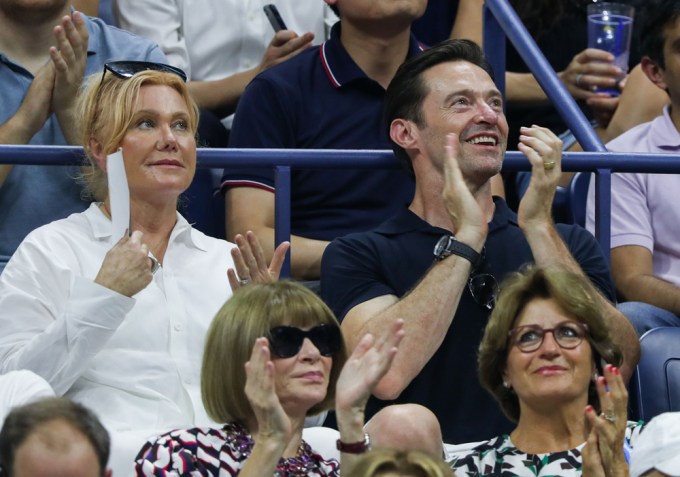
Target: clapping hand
[369,362]
[68,57]
[603,454]
[272,421]
[466,215]
[250,264]
[544,151]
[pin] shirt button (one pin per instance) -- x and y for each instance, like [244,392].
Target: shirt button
[178,327]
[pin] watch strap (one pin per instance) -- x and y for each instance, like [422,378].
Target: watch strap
[454,247]
[354,447]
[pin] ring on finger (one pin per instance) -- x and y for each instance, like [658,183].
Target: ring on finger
[577,81]
[609,415]
[243,282]
[548,165]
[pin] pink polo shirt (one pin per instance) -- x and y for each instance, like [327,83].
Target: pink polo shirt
[646,207]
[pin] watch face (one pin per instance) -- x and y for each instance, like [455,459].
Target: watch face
[441,249]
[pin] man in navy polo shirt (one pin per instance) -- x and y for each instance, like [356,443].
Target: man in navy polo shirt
[445,118]
[328,97]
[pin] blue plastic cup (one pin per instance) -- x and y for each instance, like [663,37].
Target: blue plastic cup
[610,28]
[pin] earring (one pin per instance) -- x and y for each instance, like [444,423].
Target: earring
[595,376]
[506,384]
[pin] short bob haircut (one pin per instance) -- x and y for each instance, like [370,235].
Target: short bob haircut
[105,108]
[407,91]
[249,314]
[573,293]
[412,463]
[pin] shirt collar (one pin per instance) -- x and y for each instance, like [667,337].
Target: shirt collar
[666,134]
[183,232]
[340,67]
[407,221]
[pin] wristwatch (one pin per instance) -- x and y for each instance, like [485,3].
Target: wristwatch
[354,447]
[448,245]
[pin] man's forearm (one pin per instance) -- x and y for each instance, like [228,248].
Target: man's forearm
[221,96]
[652,290]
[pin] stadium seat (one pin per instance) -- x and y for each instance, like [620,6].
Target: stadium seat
[655,386]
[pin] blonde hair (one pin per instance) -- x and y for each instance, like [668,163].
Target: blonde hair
[410,463]
[105,110]
[249,314]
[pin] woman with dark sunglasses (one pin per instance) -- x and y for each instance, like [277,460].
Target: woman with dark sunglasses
[119,324]
[548,358]
[274,354]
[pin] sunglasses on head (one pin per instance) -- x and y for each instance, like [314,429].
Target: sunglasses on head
[127,69]
[286,341]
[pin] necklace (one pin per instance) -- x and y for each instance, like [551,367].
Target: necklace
[304,462]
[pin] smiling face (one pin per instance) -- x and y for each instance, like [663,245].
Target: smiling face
[551,374]
[159,147]
[463,99]
[302,380]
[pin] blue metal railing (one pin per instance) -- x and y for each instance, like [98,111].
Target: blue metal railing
[602,163]
[500,20]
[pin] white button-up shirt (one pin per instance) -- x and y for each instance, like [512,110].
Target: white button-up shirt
[134,361]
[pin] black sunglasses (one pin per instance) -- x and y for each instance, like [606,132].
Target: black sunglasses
[484,289]
[286,341]
[127,69]
[483,286]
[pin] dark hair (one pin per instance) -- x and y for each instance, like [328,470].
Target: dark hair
[407,91]
[573,294]
[24,420]
[656,16]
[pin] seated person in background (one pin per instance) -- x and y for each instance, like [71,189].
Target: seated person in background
[222,45]
[548,359]
[645,215]
[445,118]
[53,437]
[41,69]
[328,97]
[657,449]
[119,325]
[21,387]
[274,354]
[395,463]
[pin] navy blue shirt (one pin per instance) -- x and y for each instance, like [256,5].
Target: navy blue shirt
[321,99]
[392,259]
[436,23]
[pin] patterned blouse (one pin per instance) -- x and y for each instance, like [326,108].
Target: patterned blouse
[220,452]
[499,457]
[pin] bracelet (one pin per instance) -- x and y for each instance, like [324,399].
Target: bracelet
[354,447]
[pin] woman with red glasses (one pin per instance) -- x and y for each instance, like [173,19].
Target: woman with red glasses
[548,358]
[274,355]
[119,324]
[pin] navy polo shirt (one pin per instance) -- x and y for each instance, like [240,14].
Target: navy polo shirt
[391,260]
[321,99]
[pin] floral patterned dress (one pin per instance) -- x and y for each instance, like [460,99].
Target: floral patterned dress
[499,457]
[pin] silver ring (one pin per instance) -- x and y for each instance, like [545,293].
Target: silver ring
[244,282]
[578,80]
[609,416]
[155,264]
